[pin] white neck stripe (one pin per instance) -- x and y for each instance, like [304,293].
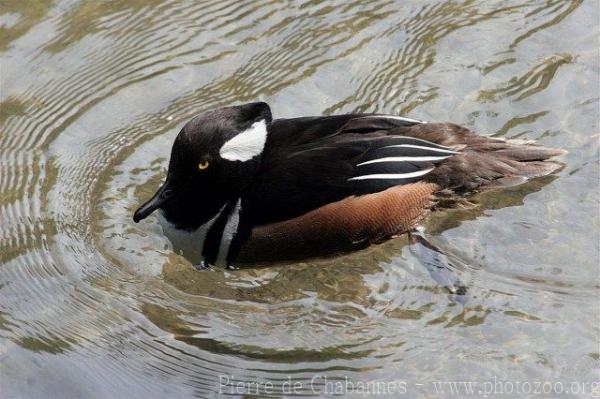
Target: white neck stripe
[228,232]
[393,175]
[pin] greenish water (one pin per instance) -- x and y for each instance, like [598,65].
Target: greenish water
[92,94]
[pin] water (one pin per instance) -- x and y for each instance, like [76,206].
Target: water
[93,305]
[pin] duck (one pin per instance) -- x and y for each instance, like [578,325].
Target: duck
[320,185]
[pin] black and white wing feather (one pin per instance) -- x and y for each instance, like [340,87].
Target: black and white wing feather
[331,158]
[399,160]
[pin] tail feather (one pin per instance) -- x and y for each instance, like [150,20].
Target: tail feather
[532,169]
[485,163]
[503,182]
[526,153]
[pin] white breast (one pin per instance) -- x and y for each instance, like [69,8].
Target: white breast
[189,244]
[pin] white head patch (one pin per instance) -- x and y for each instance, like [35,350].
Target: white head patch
[247,144]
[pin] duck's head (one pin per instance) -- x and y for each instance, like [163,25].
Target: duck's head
[214,157]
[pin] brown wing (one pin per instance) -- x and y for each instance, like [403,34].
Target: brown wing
[479,163]
[342,226]
[483,162]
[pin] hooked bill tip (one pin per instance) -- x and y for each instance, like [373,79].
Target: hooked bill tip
[145,210]
[136,217]
[158,200]
[139,215]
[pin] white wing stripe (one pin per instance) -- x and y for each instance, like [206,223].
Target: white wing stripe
[393,175]
[422,147]
[435,145]
[404,159]
[398,118]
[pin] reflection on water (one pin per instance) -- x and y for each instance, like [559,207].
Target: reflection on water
[91,97]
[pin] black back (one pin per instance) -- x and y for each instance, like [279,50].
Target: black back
[313,161]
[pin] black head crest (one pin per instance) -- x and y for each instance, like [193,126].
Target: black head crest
[214,157]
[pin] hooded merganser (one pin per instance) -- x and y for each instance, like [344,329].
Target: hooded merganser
[316,185]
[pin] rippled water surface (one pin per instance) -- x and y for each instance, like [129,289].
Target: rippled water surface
[95,306]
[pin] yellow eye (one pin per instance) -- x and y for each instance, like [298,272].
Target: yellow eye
[203,165]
